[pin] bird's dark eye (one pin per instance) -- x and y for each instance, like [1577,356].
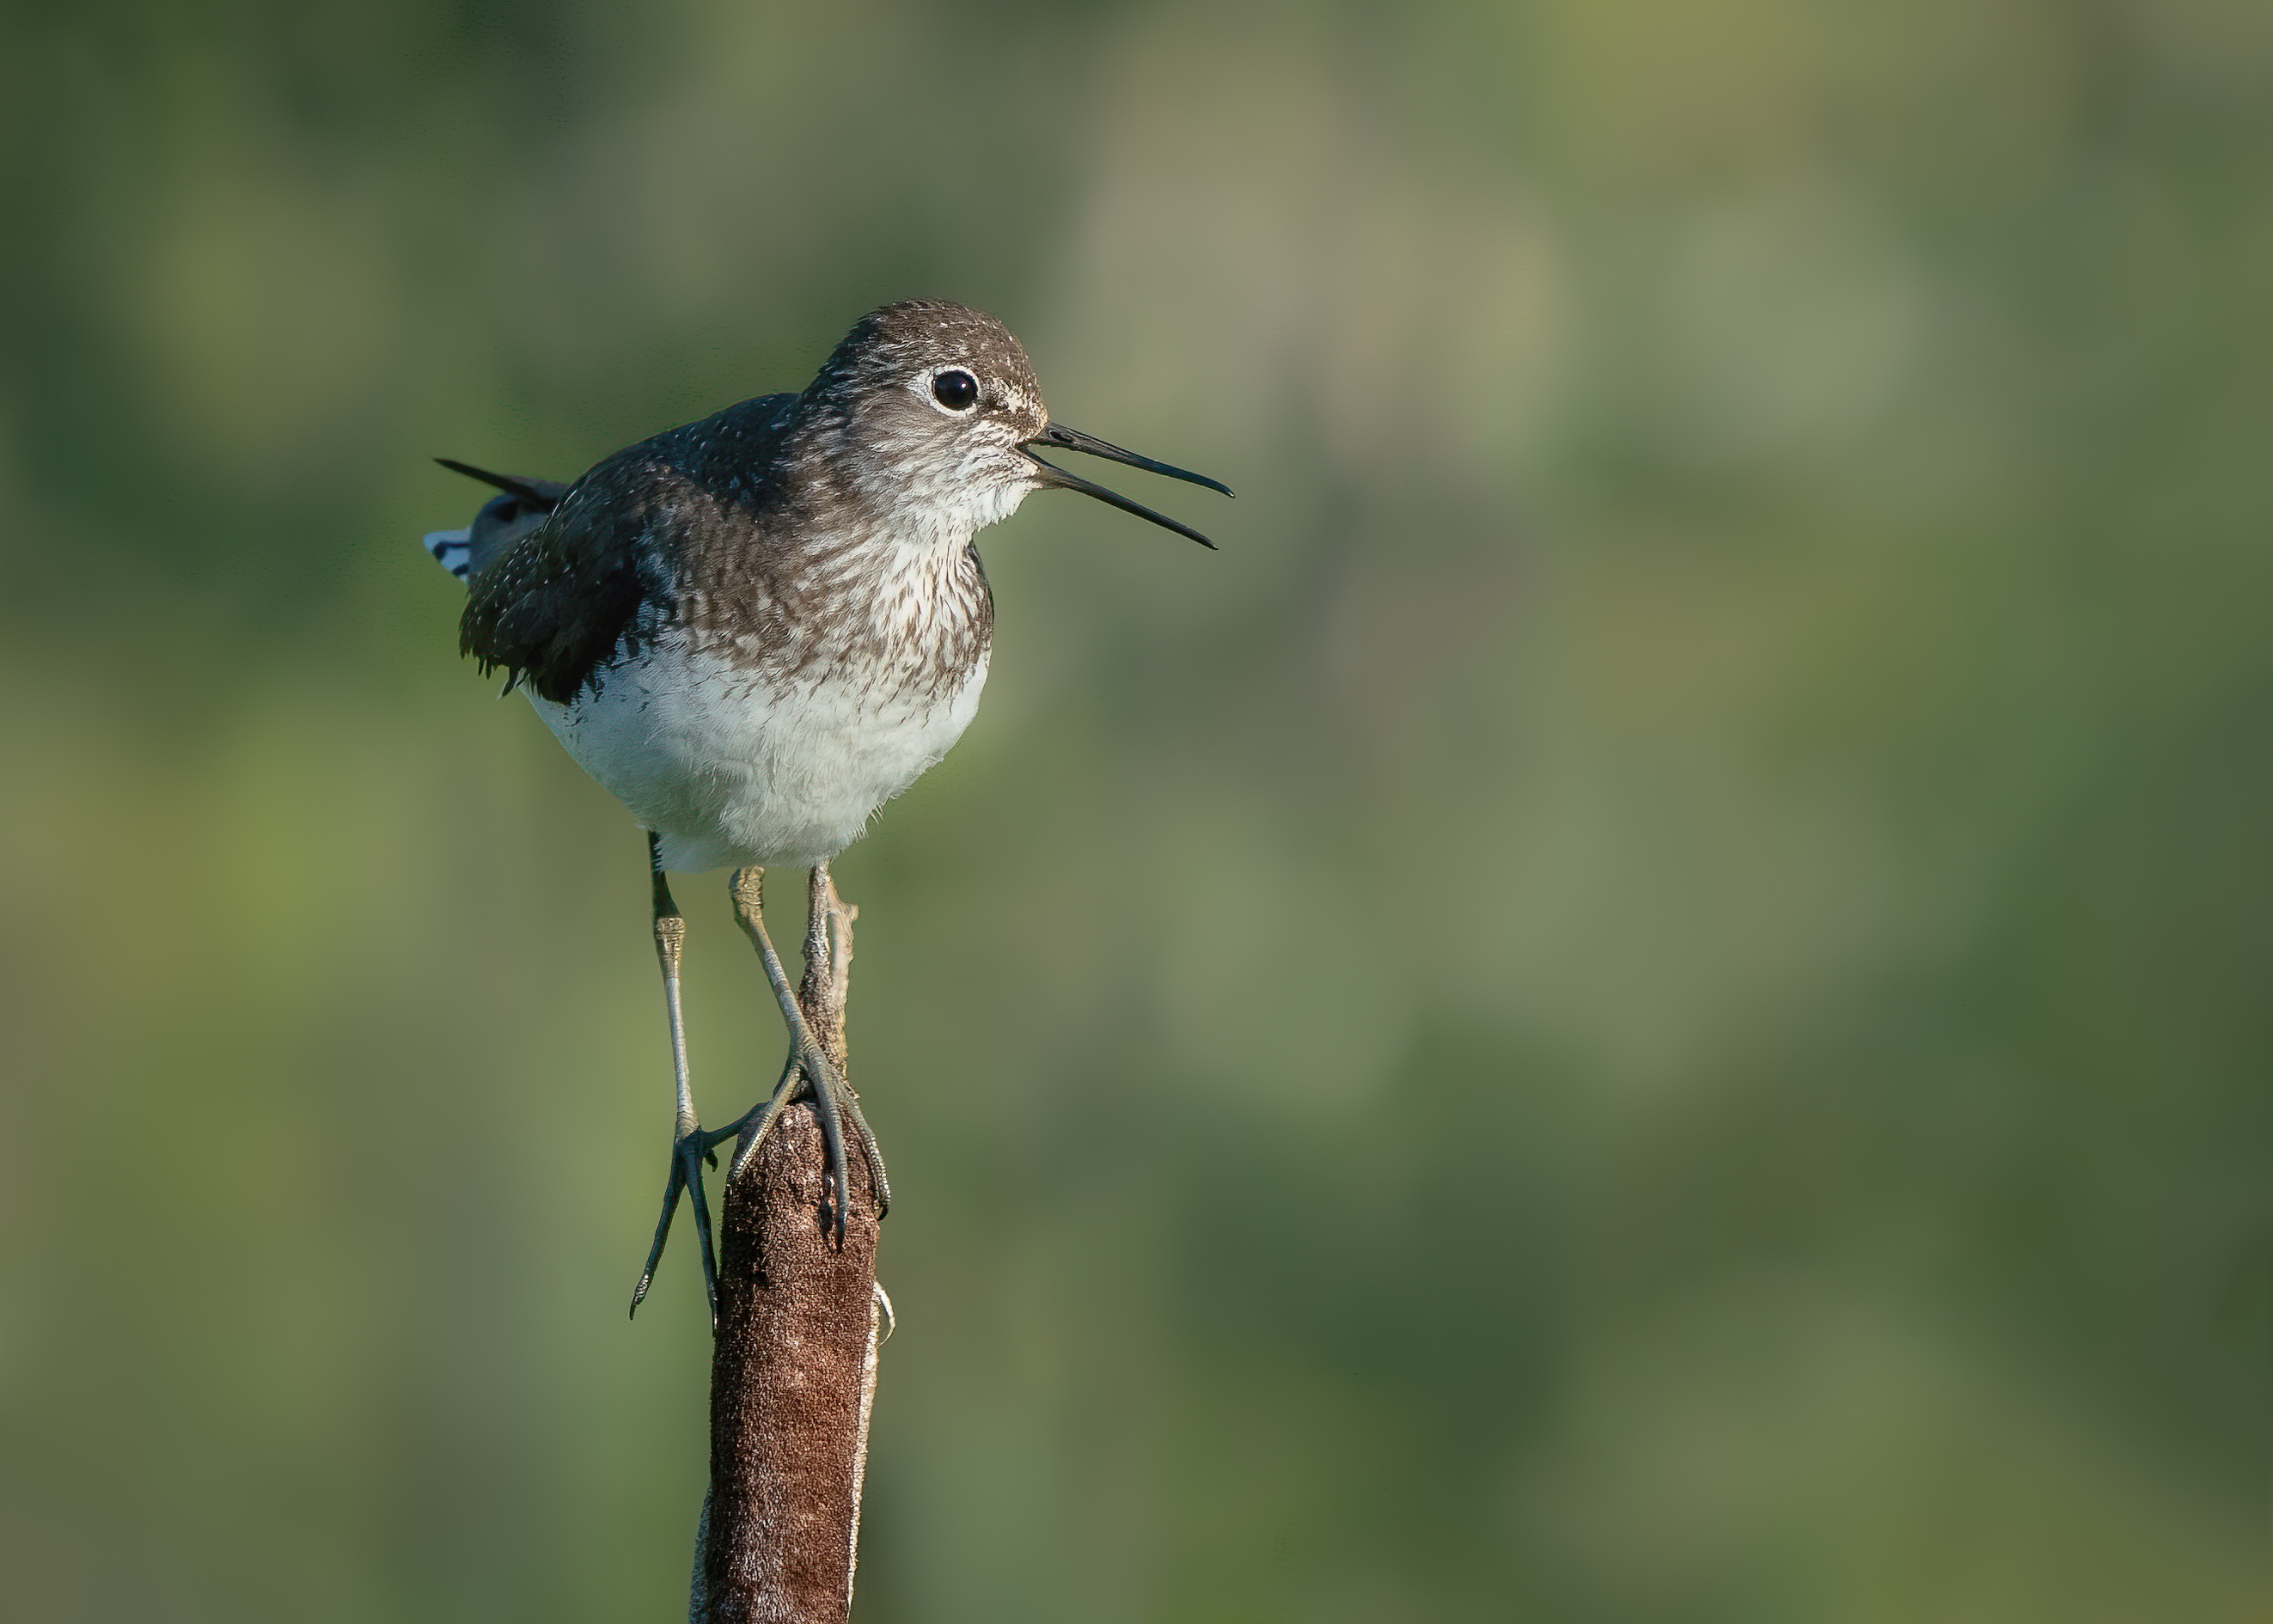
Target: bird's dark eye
[955,389]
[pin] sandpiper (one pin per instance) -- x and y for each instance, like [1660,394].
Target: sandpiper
[756,629]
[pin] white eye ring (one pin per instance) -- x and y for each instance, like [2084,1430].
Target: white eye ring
[954,391]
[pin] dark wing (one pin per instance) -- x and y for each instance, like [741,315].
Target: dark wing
[554,606]
[553,610]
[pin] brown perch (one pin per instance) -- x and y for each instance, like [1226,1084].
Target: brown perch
[794,1372]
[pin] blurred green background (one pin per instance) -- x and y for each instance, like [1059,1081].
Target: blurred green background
[1647,1002]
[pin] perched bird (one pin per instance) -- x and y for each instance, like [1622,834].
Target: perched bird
[756,629]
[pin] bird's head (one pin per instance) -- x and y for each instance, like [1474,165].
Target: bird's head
[933,408]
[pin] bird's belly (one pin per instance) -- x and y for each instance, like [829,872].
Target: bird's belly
[734,766]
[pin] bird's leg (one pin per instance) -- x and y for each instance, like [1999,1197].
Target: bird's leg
[690,1146]
[809,1063]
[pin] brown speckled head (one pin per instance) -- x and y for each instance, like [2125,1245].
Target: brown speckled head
[925,404]
[904,346]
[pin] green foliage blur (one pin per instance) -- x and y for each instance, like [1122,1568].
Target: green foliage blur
[1647,1003]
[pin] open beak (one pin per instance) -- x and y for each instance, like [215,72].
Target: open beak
[1073,440]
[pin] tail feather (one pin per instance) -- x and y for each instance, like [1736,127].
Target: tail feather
[452,549]
[545,493]
[503,521]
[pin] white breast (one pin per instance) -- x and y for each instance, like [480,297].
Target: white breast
[732,769]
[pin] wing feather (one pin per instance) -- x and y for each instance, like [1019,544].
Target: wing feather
[566,601]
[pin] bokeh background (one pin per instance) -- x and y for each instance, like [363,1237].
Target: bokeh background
[1647,1002]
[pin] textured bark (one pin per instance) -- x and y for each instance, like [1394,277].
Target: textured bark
[793,1370]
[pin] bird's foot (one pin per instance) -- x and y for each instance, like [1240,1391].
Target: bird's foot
[809,1070]
[693,1149]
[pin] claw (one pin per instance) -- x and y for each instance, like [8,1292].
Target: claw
[806,1072]
[689,1153]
